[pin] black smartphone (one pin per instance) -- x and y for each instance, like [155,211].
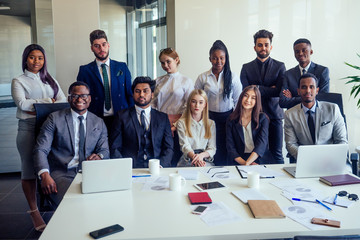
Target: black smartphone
[106,231]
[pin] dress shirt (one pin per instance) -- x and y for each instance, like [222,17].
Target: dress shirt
[197,141]
[28,89]
[109,112]
[147,115]
[76,123]
[215,88]
[306,68]
[249,142]
[312,109]
[171,93]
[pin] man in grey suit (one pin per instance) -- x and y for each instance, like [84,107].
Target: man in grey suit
[302,51]
[312,122]
[67,138]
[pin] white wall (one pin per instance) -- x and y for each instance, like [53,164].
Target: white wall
[331,26]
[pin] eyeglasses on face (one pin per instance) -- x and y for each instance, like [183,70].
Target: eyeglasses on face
[82,96]
[351,196]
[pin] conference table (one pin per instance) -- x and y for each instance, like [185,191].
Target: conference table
[167,214]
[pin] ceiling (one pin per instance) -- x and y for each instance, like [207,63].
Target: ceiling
[20,8]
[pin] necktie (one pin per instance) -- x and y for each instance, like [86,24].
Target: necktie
[106,87]
[142,119]
[303,71]
[262,71]
[81,141]
[311,125]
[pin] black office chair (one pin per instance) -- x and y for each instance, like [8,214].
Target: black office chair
[333,98]
[353,237]
[42,112]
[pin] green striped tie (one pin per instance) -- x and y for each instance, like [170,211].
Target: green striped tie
[106,87]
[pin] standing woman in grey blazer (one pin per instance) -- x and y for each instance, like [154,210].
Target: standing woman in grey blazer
[247,129]
[34,86]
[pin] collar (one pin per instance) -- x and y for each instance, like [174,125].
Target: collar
[306,68]
[173,74]
[31,74]
[139,109]
[99,63]
[265,62]
[193,121]
[313,108]
[76,115]
[210,73]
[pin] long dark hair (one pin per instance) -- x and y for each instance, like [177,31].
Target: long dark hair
[44,75]
[239,110]
[219,45]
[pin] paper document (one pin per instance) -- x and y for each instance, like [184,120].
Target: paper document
[219,214]
[159,184]
[249,194]
[189,174]
[261,169]
[218,173]
[340,201]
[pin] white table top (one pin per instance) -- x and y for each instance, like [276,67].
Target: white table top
[167,214]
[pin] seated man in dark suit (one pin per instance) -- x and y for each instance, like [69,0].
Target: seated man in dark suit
[67,138]
[141,132]
[312,122]
[302,51]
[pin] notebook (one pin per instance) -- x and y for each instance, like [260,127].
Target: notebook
[337,180]
[106,175]
[199,198]
[265,209]
[319,160]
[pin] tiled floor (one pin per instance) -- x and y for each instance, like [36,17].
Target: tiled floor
[15,223]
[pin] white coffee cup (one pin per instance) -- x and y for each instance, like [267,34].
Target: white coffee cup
[253,179]
[176,181]
[154,166]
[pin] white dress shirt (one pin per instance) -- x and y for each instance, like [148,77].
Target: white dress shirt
[188,144]
[215,89]
[306,68]
[249,142]
[147,115]
[109,112]
[171,93]
[28,89]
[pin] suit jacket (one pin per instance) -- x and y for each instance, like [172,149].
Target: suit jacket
[250,75]
[235,141]
[121,94]
[55,144]
[329,127]
[125,138]
[291,82]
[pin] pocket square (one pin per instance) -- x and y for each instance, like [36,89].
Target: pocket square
[119,73]
[325,123]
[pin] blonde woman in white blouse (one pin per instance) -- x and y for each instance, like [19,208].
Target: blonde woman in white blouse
[171,92]
[34,86]
[197,134]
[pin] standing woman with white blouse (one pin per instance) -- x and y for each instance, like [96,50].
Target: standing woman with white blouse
[34,86]
[223,89]
[171,93]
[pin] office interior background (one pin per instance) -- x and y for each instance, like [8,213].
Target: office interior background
[137,30]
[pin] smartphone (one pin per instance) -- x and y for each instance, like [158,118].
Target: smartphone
[106,231]
[199,210]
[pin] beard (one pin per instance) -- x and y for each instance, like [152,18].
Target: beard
[102,58]
[137,103]
[262,56]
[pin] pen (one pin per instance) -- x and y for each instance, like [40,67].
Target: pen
[298,199]
[135,176]
[334,202]
[323,205]
[268,177]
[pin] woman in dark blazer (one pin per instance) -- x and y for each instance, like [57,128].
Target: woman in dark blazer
[247,129]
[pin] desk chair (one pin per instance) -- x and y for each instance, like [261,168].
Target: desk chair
[353,237]
[42,112]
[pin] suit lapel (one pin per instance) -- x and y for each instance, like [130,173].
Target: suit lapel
[240,132]
[136,124]
[312,68]
[318,120]
[269,68]
[95,71]
[70,125]
[153,125]
[303,122]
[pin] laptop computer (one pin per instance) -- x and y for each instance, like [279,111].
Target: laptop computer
[106,175]
[319,160]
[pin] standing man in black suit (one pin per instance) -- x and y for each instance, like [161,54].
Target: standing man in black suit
[267,74]
[289,96]
[141,132]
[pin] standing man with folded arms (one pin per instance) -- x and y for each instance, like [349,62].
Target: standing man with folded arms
[302,51]
[109,80]
[267,74]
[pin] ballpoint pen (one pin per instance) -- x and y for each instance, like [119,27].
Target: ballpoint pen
[298,199]
[334,202]
[135,176]
[323,205]
[267,177]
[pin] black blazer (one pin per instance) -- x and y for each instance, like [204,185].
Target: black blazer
[250,75]
[235,141]
[291,82]
[125,136]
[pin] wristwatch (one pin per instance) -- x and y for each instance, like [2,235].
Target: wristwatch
[100,155]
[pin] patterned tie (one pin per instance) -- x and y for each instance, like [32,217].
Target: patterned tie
[311,125]
[303,71]
[106,87]
[81,141]
[142,119]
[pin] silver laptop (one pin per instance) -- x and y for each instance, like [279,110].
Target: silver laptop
[106,175]
[319,160]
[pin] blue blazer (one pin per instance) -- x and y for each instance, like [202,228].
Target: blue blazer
[235,141]
[291,82]
[250,75]
[125,136]
[121,94]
